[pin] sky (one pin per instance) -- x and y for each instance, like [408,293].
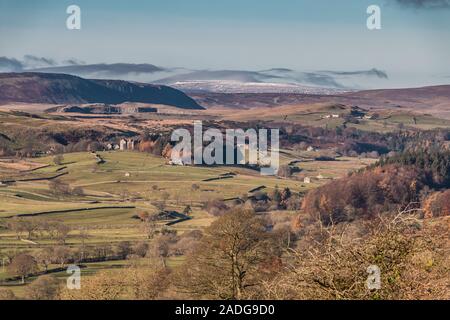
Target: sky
[413,45]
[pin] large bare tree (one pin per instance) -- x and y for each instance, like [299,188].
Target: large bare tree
[23,265]
[236,252]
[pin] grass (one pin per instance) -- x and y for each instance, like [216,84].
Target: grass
[87,270]
[106,185]
[138,180]
[315,115]
[133,179]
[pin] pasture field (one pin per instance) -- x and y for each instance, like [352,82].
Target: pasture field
[123,185]
[320,115]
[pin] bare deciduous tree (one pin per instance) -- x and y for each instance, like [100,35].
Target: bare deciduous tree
[43,288]
[234,254]
[58,159]
[411,254]
[23,265]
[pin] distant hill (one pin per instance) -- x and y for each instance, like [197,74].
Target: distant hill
[434,100]
[407,94]
[67,89]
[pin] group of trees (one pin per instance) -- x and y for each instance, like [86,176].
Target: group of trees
[23,265]
[143,281]
[284,199]
[259,201]
[244,255]
[40,228]
[407,255]
[285,171]
[161,244]
[364,195]
[393,183]
[58,159]
[140,281]
[26,263]
[437,204]
[216,207]
[154,144]
[351,141]
[434,162]
[347,140]
[276,199]
[146,280]
[60,188]
[164,242]
[32,141]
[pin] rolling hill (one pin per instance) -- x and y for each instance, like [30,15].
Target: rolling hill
[433,100]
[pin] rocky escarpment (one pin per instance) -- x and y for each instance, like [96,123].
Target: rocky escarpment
[101,108]
[67,89]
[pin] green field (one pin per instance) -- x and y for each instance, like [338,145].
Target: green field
[128,182]
[114,192]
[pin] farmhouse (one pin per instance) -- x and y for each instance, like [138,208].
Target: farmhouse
[130,144]
[123,144]
[127,144]
[328,116]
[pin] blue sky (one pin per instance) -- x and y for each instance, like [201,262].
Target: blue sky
[246,34]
